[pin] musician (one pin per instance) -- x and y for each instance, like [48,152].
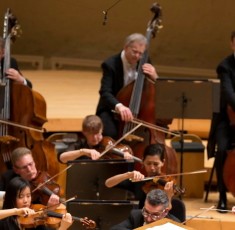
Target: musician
[13,73]
[118,71]
[18,198]
[153,161]
[92,129]
[155,208]
[220,136]
[24,166]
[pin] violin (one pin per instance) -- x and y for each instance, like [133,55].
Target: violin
[44,192]
[159,183]
[116,152]
[51,219]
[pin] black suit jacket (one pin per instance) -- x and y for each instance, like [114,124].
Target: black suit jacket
[136,220]
[226,74]
[111,83]
[14,65]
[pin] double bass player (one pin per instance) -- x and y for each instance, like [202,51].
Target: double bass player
[13,72]
[118,71]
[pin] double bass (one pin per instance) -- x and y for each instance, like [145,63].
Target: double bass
[229,164]
[26,107]
[139,96]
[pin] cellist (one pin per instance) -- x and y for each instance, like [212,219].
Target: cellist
[24,166]
[14,72]
[118,71]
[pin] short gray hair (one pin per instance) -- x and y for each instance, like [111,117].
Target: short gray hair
[136,37]
[158,197]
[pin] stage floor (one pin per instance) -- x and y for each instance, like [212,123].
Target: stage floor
[71,95]
[211,219]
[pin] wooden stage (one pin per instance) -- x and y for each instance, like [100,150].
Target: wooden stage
[71,95]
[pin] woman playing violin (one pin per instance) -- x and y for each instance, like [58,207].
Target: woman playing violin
[18,197]
[24,166]
[87,147]
[153,161]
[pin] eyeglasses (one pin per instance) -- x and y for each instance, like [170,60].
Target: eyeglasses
[154,216]
[135,52]
[25,166]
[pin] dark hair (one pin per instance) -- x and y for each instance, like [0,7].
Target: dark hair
[232,35]
[157,197]
[154,149]
[13,189]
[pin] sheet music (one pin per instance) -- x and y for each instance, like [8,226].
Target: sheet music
[166,226]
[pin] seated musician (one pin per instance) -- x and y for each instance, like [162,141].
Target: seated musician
[13,73]
[24,166]
[156,207]
[153,161]
[86,147]
[17,202]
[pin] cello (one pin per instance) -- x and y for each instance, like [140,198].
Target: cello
[139,96]
[24,106]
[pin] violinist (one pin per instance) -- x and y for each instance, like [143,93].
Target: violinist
[24,166]
[13,73]
[153,161]
[221,133]
[118,71]
[87,146]
[18,198]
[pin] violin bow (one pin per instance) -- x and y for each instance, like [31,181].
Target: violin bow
[63,202]
[175,174]
[151,126]
[217,209]
[45,182]
[204,211]
[156,127]
[21,126]
[119,140]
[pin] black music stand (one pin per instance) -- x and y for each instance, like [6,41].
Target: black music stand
[86,179]
[105,213]
[186,98]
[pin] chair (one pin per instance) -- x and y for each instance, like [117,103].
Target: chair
[178,209]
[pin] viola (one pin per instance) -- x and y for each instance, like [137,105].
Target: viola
[117,152]
[51,219]
[159,183]
[44,192]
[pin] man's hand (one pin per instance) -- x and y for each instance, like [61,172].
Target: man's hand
[125,112]
[15,75]
[150,71]
[53,201]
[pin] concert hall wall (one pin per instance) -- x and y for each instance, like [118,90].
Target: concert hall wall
[195,33]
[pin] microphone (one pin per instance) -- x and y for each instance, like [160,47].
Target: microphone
[105,13]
